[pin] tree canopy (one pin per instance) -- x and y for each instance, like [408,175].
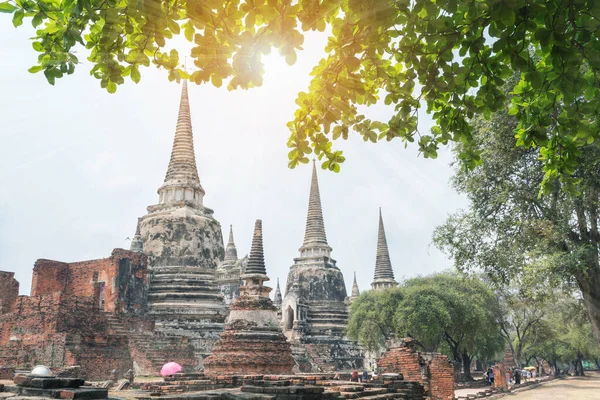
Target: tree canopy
[512,234]
[449,57]
[442,312]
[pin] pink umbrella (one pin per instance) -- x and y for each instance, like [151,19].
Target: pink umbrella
[170,368]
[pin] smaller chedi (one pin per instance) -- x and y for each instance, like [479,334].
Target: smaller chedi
[252,342]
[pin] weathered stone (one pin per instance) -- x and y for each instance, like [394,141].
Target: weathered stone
[252,340]
[433,370]
[184,245]
[314,309]
[384,274]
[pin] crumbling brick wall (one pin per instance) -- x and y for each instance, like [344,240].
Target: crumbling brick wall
[441,378]
[98,355]
[500,381]
[118,283]
[49,277]
[9,290]
[35,317]
[432,370]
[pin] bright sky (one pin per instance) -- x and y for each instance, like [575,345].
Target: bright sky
[78,166]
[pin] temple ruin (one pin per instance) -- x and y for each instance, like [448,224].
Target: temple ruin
[314,309]
[384,274]
[168,298]
[252,342]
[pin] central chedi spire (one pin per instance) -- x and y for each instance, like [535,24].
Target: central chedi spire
[315,239]
[230,270]
[182,183]
[231,255]
[252,342]
[384,274]
[314,309]
[184,246]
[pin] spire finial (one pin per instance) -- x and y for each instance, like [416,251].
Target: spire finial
[315,227]
[383,264]
[256,259]
[231,255]
[137,243]
[277,299]
[355,291]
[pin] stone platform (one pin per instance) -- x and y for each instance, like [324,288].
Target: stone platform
[282,387]
[50,387]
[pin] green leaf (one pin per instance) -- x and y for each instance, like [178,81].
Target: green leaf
[8,8]
[111,87]
[50,77]
[18,18]
[35,68]
[290,57]
[36,20]
[135,74]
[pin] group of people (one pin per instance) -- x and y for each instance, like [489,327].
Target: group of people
[513,375]
[365,375]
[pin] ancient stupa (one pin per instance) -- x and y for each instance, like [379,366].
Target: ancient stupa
[252,342]
[184,245]
[314,309]
[384,274]
[230,270]
[355,290]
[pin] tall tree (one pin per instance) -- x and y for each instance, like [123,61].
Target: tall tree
[510,232]
[522,318]
[448,56]
[371,318]
[443,312]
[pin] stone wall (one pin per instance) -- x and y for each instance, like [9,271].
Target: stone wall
[49,277]
[441,379]
[119,283]
[60,330]
[433,370]
[9,290]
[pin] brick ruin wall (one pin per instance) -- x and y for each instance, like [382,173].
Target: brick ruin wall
[118,283]
[59,330]
[433,370]
[62,322]
[9,290]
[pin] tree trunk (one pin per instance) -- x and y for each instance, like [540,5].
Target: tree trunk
[580,365]
[590,289]
[554,365]
[466,361]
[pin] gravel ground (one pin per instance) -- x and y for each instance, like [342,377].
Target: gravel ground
[584,388]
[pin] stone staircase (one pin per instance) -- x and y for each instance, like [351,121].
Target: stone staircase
[151,350]
[115,325]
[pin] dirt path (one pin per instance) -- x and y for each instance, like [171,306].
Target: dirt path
[585,388]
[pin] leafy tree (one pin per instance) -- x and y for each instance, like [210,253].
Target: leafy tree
[450,57]
[442,312]
[371,318]
[521,320]
[566,336]
[510,233]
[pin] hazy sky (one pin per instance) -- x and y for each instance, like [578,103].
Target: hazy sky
[78,166]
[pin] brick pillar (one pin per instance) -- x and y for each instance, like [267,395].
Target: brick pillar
[433,370]
[9,290]
[441,372]
[500,377]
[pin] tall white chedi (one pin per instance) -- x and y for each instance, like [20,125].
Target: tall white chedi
[184,245]
[314,309]
[384,274]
